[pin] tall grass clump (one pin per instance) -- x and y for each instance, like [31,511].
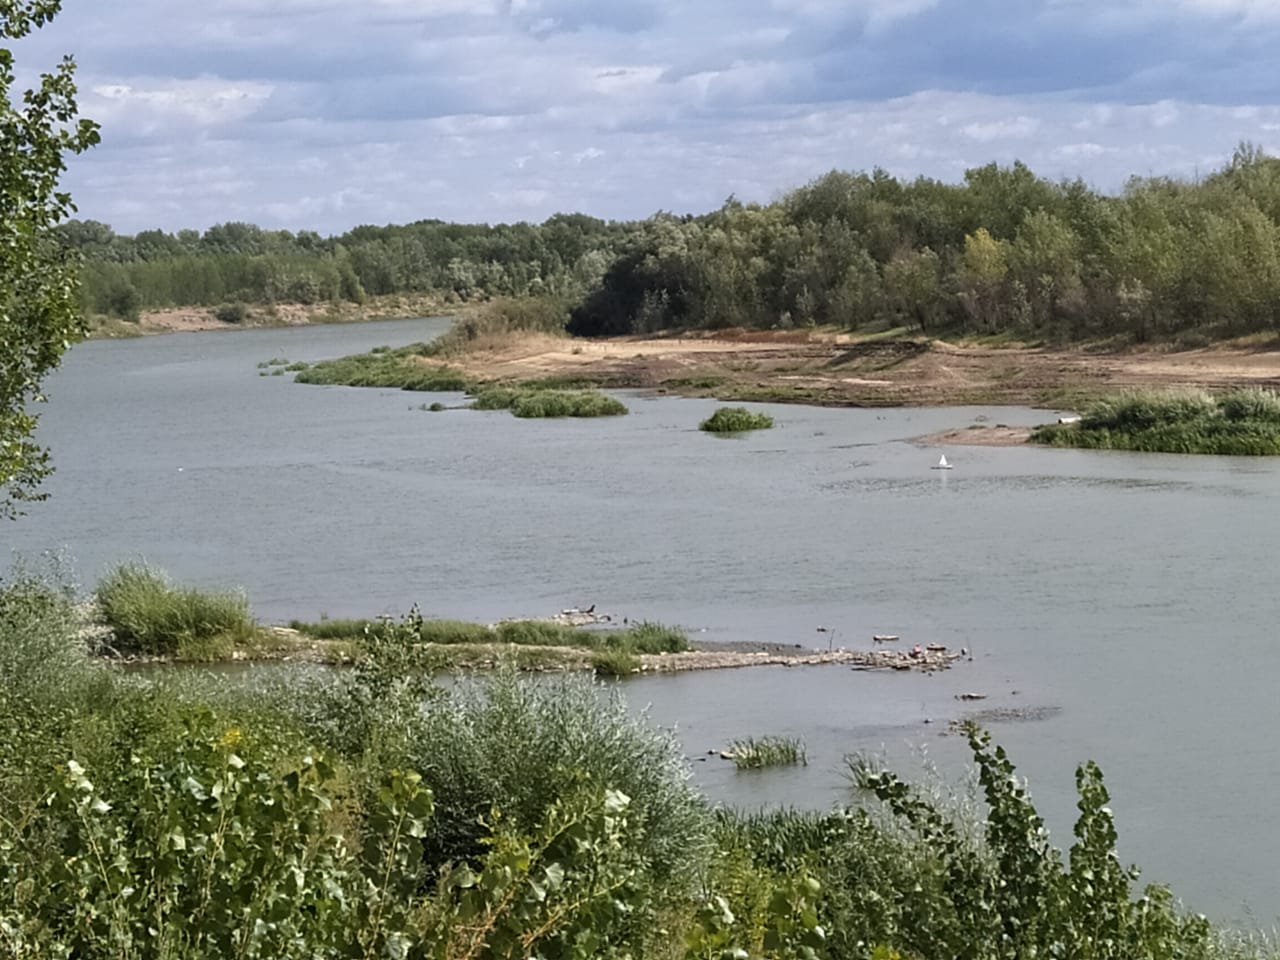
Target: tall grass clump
[498,320]
[1243,422]
[1251,404]
[735,420]
[149,615]
[647,637]
[752,753]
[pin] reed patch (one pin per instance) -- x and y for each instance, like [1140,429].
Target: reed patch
[1244,422]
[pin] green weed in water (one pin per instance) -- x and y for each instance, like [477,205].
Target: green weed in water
[735,420]
[753,753]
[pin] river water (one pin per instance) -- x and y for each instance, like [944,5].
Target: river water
[1126,602]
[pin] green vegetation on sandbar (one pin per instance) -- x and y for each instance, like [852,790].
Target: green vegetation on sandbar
[404,369]
[735,420]
[1243,422]
[642,637]
[752,753]
[399,369]
[537,402]
[373,812]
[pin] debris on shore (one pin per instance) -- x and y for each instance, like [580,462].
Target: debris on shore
[706,659]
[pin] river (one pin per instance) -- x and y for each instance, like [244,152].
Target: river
[1126,601]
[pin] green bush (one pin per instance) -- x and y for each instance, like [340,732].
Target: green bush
[148,615]
[735,420]
[478,742]
[231,313]
[495,398]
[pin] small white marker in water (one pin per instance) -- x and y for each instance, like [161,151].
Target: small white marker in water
[179,469]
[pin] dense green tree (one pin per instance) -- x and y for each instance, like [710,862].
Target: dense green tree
[39,301]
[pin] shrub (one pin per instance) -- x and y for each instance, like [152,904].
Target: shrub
[149,615]
[735,420]
[231,313]
[477,744]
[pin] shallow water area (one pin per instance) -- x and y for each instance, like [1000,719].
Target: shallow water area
[1123,601]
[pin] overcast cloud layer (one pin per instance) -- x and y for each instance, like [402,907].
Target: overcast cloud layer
[324,114]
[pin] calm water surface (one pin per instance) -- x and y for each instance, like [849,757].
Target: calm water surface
[1129,600]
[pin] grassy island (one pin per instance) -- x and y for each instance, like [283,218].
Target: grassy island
[735,420]
[1244,422]
[415,368]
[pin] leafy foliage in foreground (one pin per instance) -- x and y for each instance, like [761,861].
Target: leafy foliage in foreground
[1243,422]
[735,420]
[369,813]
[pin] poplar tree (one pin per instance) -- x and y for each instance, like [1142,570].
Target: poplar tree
[40,312]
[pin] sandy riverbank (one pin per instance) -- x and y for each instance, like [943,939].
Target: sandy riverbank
[833,369]
[203,319]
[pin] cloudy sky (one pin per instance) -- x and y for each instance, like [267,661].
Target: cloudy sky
[325,114]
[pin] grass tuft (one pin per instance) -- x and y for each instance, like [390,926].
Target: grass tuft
[751,753]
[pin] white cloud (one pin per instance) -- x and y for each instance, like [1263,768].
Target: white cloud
[205,102]
[1019,128]
[328,113]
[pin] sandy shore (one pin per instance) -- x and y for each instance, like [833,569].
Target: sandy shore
[200,319]
[833,369]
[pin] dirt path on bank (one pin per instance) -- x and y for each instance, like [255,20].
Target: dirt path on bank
[837,370]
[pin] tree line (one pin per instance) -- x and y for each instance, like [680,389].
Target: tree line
[1004,252]
[240,262]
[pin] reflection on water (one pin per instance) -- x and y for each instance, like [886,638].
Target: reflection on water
[1129,597]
